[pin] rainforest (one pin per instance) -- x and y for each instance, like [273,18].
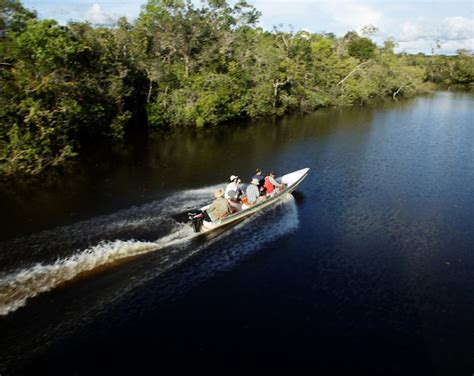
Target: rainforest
[64,88]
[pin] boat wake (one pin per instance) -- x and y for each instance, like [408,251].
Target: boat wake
[51,258]
[27,283]
[133,226]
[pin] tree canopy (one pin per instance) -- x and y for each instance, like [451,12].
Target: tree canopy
[65,86]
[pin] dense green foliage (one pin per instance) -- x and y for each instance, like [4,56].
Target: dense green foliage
[63,87]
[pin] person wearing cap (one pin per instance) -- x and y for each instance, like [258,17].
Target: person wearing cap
[261,179]
[271,185]
[253,192]
[220,207]
[232,191]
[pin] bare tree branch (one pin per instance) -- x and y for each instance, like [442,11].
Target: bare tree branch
[351,73]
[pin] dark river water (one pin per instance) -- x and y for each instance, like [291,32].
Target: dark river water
[369,266]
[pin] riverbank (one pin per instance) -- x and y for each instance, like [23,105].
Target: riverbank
[65,88]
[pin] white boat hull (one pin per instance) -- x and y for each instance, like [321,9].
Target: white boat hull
[291,181]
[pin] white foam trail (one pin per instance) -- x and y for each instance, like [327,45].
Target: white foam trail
[17,287]
[140,222]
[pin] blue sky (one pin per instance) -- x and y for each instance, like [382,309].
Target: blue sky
[414,24]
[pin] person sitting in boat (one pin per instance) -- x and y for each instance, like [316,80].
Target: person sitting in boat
[220,207]
[271,185]
[261,180]
[233,192]
[253,192]
[233,186]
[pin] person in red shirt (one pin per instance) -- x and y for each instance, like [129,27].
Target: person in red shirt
[271,185]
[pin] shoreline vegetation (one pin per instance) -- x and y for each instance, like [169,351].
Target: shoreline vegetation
[64,87]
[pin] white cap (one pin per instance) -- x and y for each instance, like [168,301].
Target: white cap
[233,177]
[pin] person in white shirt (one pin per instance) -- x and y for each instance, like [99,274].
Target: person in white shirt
[232,190]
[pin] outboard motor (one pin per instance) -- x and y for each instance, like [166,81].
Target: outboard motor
[197,219]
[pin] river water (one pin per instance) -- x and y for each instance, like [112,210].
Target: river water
[368,266]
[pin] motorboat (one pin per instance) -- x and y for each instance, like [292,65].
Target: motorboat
[243,210]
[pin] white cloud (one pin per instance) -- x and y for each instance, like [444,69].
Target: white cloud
[453,33]
[458,28]
[415,30]
[353,15]
[96,15]
[451,28]
[337,16]
[452,46]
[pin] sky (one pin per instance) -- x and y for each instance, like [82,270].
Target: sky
[415,25]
